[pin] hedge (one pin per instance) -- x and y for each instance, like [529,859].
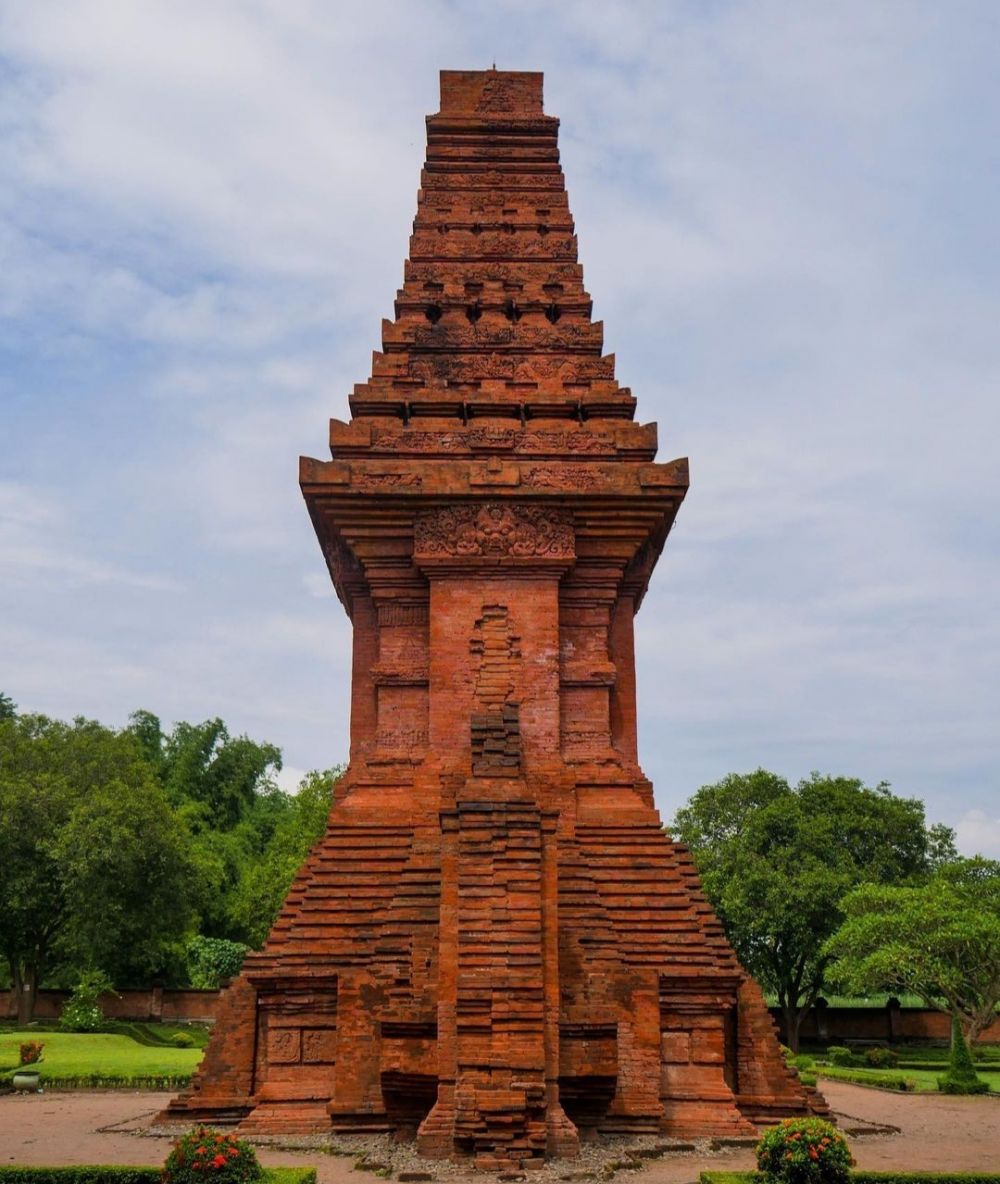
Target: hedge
[930,1066]
[158,1081]
[866,1178]
[879,1078]
[108,1174]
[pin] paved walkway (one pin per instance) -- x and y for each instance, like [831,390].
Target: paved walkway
[938,1134]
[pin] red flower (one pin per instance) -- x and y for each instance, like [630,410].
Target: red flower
[219,1161]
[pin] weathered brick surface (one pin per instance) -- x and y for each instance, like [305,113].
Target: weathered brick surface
[495,945]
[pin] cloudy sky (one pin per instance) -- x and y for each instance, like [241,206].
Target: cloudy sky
[788,221]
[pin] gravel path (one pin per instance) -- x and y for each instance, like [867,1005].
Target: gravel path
[938,1134]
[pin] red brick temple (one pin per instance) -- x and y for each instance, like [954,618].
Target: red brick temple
[495,948]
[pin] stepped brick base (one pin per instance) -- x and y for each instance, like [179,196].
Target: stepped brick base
[495,949]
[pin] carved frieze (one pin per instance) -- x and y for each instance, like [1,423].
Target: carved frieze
[496,529]
[562,477]
[517,440]
[376,482]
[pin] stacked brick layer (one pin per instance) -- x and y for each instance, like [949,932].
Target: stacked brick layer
[495,948]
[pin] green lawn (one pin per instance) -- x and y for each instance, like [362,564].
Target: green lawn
[108,1055]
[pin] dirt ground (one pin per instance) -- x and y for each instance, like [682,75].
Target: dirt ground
[938,1134]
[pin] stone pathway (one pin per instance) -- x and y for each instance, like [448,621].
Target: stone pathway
[938,1134]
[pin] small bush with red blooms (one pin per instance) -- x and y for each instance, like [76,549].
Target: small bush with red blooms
[804,1151]
[204,1155]
[31,1052]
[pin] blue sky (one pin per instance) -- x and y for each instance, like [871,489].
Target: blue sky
[787,219]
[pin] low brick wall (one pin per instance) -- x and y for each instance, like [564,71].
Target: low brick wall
[890,1024]
[830,1025]
[156,1003]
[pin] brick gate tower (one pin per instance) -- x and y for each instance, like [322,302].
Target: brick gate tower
[495,947]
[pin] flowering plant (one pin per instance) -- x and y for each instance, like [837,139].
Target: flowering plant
[204,1155]
[31,1052]
[804,1151]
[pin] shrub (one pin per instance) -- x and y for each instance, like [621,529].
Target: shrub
[82,1011]
[961,1077]
[212,960]
[804,1061]
[837,1054]
[31,1052]
[882,1058]
[183,1040]
[948,1085]
[804,1151]
[206,1154]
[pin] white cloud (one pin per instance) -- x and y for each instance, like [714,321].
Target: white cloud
[978,833]
[290,778]
[40,543]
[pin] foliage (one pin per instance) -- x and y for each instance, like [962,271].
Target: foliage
[108,1174]
[837,1054]
[881,1058]
[939,940]
[961,1077]
[30,1053]
[119,847]
[804,1151]
[265,882]
[96,1174]
[8,708]
[92,861]
[776,861]
[205,1153]
[222,789]
[82,1010]
[213,960]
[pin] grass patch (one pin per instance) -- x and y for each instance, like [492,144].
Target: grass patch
[94,1059]
[107,1174]
[163,1035]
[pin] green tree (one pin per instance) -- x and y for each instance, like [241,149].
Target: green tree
[775,863]
[265,883]
[203,765]
[93,862]
[939,940]
[961,1077]
[8,708]
[222,788]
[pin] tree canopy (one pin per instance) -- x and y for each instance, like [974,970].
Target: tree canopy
[134,852]
[93,862]
[939,940]
[775,861]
